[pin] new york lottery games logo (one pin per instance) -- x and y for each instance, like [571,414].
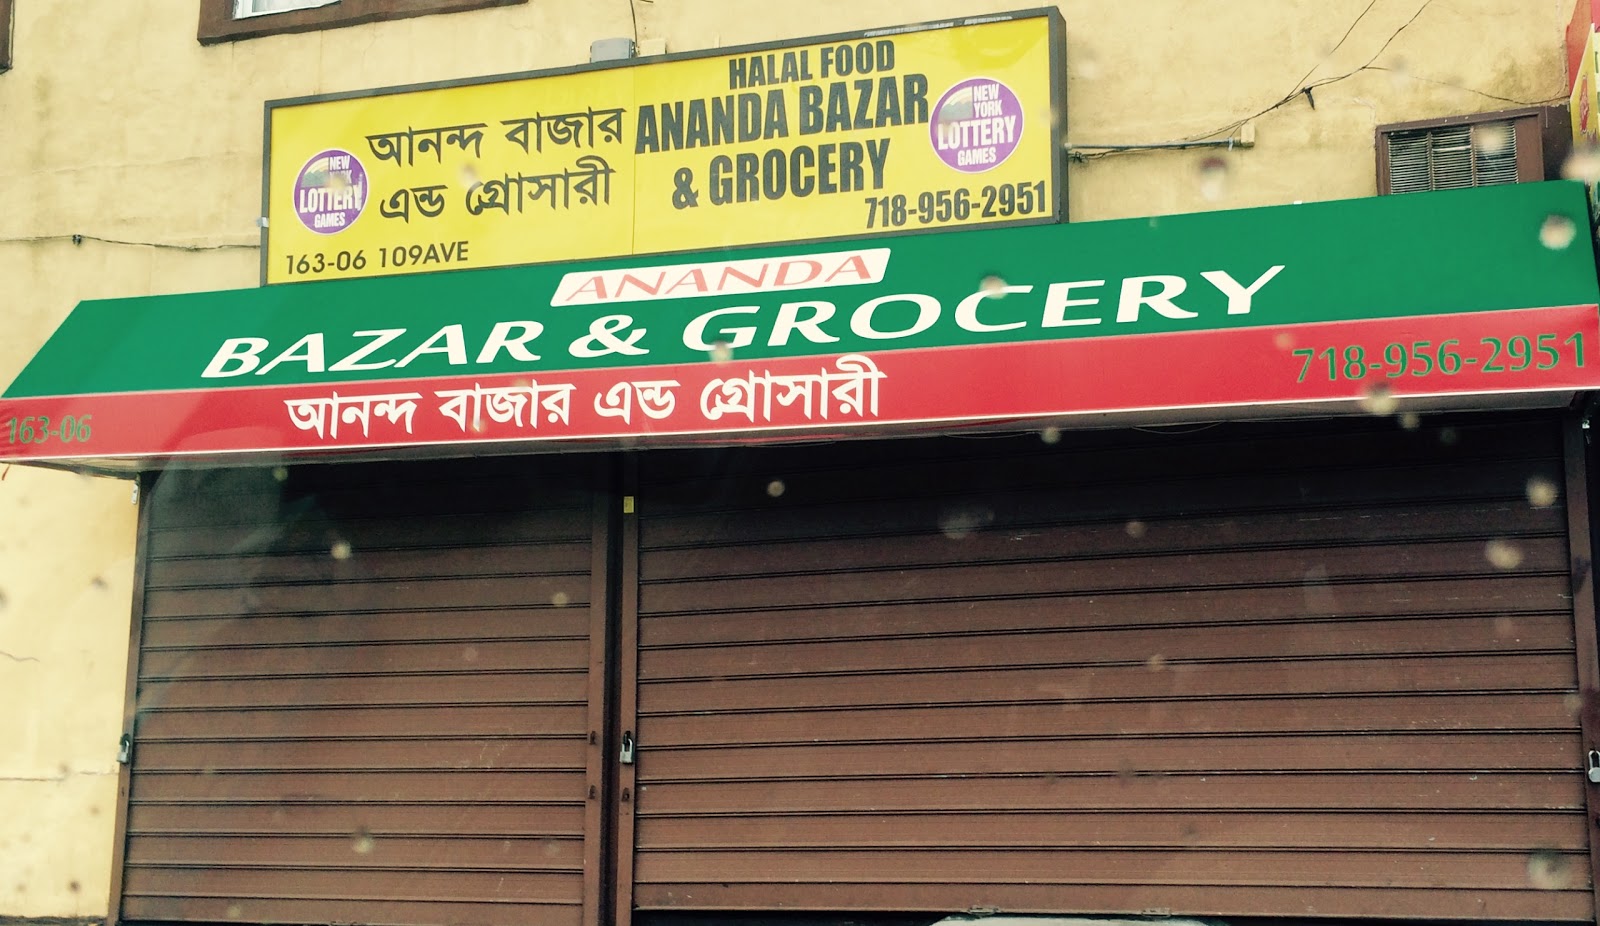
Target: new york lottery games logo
[976,125]
[330,192]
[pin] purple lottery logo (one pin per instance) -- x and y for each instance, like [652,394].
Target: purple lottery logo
[976,125]
[330,192]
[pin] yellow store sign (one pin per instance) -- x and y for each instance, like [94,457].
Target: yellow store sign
[895,130]
[1586,114]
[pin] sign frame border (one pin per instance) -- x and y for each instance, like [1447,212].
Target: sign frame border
[1055,25]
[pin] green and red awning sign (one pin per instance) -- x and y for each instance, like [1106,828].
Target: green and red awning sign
[1422,296]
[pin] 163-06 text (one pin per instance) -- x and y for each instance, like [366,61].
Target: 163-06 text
[40,429]
[400,255]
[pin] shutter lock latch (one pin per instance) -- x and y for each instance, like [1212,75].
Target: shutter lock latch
[1594,766]
[125,749]
[626,758]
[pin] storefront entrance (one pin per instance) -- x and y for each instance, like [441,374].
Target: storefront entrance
[1324,670]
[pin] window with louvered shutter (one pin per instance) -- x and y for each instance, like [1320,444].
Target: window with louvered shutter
[234,20]
[5,35]
[243,8]
[1453,157]
[1487,149]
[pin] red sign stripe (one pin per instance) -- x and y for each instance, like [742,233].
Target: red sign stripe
[1523,350]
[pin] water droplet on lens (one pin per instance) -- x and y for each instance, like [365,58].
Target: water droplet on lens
[1491,138]
[1410,421]
[1319,595]
[1213,178]
[1557,232]
[957,523]
[1087,68]
[1283,340]
[1542,493]
[234,911]
[363,842]
[1583,164]
[1399,73]
[992,286]
[469,654]
[341,549]
[776,488]
[469,176]
[1502,554]
[1134,529]
[280,473]
[1448,436]
[559,599]
[1549,871]
[1050,435]
[1156,663]
[1379,400]
[721,351]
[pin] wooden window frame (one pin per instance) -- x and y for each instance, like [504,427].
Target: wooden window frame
[217,22]
[7,11]
[1543,136]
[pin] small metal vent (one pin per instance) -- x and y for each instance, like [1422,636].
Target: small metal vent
[1453,157]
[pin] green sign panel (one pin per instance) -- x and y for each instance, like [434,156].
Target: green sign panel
[1424,294]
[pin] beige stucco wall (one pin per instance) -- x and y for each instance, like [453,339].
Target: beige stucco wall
[116,123]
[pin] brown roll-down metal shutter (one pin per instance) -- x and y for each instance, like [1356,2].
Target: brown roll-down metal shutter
[1275,671]
[364,696]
